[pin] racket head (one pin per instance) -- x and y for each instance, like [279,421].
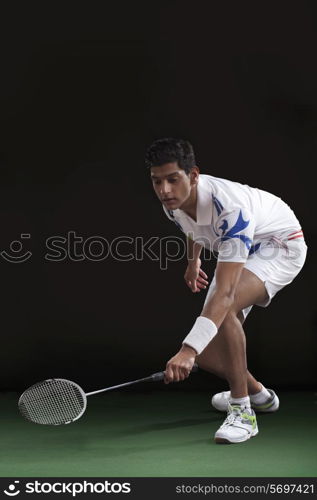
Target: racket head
[54,401]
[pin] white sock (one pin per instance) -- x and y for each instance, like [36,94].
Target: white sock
[260,397]
[240,401]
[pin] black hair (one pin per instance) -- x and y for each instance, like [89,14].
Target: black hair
[170,150]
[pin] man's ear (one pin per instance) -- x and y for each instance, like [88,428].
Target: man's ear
[194,175]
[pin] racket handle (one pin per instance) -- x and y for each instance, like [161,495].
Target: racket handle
[156,377]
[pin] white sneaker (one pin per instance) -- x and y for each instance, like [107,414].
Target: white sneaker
[240,425]
[221,399]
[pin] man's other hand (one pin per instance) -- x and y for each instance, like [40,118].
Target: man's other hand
[195,277]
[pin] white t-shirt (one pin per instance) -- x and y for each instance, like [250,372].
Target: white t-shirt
[234,219]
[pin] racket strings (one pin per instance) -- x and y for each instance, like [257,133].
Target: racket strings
[55,401]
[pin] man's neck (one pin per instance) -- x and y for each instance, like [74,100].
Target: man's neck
[190,206]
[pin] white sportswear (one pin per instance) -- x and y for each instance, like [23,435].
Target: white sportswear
[234,220]
[201,334]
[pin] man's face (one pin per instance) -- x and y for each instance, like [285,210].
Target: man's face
[172,185]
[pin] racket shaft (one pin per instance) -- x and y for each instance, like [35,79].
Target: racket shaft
[156,377]
[146,379]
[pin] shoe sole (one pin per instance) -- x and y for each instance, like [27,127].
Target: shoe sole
[219,440]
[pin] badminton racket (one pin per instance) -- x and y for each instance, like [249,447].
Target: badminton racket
[58,401]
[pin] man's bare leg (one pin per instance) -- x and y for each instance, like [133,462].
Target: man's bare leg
[212,359]
[226,354]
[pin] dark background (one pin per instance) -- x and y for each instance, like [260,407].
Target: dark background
[84,91]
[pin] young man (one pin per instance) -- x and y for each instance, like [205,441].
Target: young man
[260,249]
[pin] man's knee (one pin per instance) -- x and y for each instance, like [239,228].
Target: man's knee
[232,317]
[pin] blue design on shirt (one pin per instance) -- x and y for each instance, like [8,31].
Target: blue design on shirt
[240,225]
[224,226]
[254,248]
[217,204]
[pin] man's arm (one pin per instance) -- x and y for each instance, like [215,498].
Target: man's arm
[193,250]
[195,277]
[215,310]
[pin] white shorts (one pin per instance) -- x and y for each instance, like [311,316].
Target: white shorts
[276,266]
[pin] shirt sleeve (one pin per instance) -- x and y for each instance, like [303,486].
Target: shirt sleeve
[235,231]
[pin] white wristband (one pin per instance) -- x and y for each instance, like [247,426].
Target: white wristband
[201,334]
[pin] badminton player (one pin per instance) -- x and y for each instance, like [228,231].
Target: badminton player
[260,248]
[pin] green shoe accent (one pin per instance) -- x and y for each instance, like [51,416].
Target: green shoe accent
[250,418]
[264,406]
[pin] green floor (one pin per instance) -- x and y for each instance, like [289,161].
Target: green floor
[159,433]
